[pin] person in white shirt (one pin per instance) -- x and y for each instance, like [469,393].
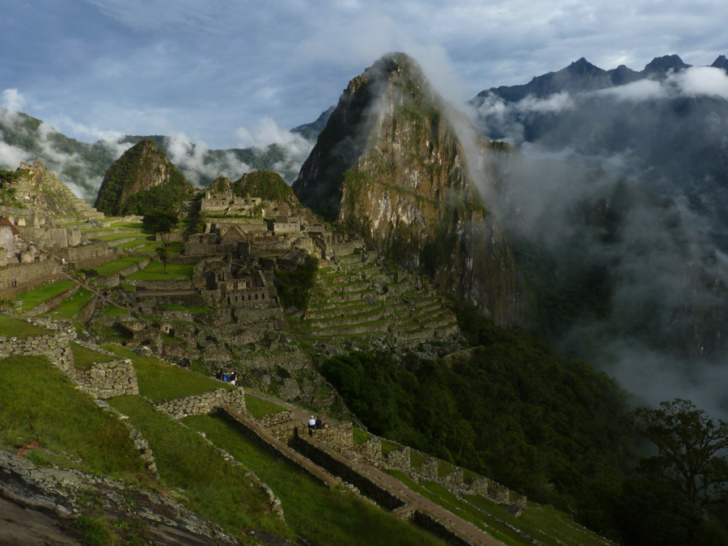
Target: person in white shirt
[312,422]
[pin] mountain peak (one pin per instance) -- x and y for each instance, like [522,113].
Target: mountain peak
[659,66]
[720,62]
[141,180]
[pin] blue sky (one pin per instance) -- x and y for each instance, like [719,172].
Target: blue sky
[230,73]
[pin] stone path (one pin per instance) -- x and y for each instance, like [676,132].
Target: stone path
[474,533]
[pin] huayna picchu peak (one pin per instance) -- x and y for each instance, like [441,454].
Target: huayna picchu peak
[390,165]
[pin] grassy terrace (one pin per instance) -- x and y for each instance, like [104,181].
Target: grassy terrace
[12,327]
[127,225]
[41,404]
[259,408]
[34,298]
[160,381]
[114,311]
[215,488]
[153,248]
[316,513]
[155,272]
[112,268]
[84,358]
[118,236]
[70,307]
[547,525]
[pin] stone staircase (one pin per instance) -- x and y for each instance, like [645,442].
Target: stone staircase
[357,296]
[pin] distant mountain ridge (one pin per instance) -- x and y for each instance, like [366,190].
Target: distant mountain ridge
[581,76]
[82,166]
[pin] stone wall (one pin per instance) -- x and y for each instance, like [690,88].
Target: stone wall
[371,449]
[107,282]
[439,527]
[26,274]
[399,459]
[109,379]
[85,253]
[204,403]
[273,419]
[56,347]
[341,435]
[87,311]
[162,285]
[426,473]
[51,303]
[278,448]
[369,485]
[133,268]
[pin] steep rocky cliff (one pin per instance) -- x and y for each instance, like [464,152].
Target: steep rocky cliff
[142,180]
[390,164]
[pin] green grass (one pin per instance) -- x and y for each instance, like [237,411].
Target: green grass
[215,489]
[259,408]
[160,381]
[547,525]
[112,268]
[70,307]
[155,272]
[313,511]
[34,298]
[388,447]
[114,311]
[83,357]
[417,459]
[40,404]
[113,333]
[119,236]
[127,225]
[12,327]
[131,245]
[360,436]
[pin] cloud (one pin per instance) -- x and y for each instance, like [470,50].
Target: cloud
[266,132]
[702,81]
[13,100]
[10,156]
[196,162]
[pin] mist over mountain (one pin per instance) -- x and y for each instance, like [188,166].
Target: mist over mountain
[82,166]
[617,211]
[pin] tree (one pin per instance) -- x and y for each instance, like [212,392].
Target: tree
[692,449]
[162,222]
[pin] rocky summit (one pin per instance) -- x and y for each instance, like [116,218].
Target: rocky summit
[391,164]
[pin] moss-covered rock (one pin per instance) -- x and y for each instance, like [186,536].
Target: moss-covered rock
[141,180]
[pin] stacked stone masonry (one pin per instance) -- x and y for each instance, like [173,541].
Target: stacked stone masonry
[54,346]
[179,408]
[109,379]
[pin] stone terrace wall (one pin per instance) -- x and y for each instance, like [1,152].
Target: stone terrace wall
[51,303]
[56,347]
[273,419]
[27,274]
[369,485]
[340,435]
[87,311]
[109,379]
[279,448]
[399,459]
[204,403]
[426,473]
[162,285]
